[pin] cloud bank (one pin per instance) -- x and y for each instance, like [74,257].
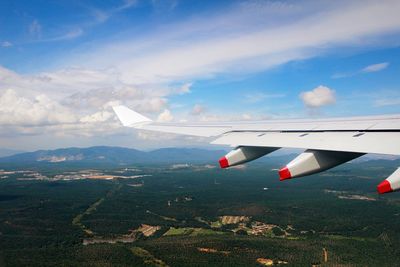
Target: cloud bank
[146,70]
[75,101]
[246,38]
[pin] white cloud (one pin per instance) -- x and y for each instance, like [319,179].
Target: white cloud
[153,104]
[77,30]
[72,34]
[387,102]
[367,69]
[209,117]
[165,116]
[318,97]
[68,35]
[99,15]
[19,110]
[256,97]
[247,117]
[248,37]
[102,16]
[343,75]
[156,136]
[127,4]
[164,5]
[185,88]
[75,101]
[6,44]
[35,29]
[197,110]
[376,67]
[101,116]
[203,47]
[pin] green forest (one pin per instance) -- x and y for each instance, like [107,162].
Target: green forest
[334,218]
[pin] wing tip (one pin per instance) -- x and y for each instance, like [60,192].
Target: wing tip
[129,117]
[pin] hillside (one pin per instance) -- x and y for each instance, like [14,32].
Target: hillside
[113,155]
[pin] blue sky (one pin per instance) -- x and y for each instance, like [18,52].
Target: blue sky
[63,64]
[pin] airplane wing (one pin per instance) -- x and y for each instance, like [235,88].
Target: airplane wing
[328,142]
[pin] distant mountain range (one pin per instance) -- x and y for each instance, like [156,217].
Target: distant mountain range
[99,156]
[4,152]
[114,156]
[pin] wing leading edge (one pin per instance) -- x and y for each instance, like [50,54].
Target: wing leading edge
[328,142]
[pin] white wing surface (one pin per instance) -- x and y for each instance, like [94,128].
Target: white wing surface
[328,142]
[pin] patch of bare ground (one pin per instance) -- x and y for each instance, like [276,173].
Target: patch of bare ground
[212,250]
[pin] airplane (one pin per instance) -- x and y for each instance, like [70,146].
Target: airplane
[328,142]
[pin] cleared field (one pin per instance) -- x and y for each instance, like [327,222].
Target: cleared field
[192,231]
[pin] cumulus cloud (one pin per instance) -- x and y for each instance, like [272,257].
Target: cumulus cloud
[318,97]
[165,116]
[16,109]
[141,100]
[152,104]
[101,116]
[75,101]
[376,67]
